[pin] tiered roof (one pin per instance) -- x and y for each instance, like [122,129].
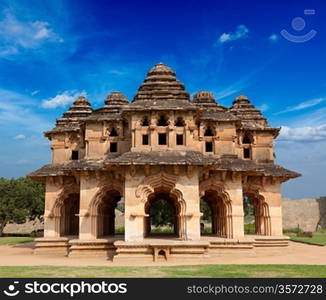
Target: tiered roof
[70,121]
[161,89]
[112,109]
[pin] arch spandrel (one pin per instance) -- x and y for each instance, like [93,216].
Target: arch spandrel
[151,183]
[104,187]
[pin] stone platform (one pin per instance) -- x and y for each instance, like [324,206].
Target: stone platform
[158,248]
[49,246]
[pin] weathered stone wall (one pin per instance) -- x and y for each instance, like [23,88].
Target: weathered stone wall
[308,214]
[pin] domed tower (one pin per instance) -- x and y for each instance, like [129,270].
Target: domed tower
[71,119]
[249,115]
[161,88]
[206,99]
[108,123]
[115,99]
[67,137]
[255,135]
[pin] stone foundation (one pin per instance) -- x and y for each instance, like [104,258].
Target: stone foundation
[161,250]
[92,248]
[221,247]
[52,246]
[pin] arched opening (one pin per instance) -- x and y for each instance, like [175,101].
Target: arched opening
[179,122]
[209,132]
[256,215]
[219,210]
[105,213]
[164,215]
[246,140]
[69,215]
[162,121]
[145,121]
[206,218]
[113,132]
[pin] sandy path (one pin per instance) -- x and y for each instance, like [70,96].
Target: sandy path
[296,253]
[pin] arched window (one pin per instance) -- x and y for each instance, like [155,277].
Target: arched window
[145,121]
[246,140]
[162,121]
[209,132]
[113,132]
[179,122]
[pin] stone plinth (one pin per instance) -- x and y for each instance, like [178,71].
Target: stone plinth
[93,248]
[52,246]
[160,250]
[222,246]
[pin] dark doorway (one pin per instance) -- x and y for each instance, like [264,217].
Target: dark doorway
[179,139]
[163,214]
[69,223]
[113,147]
[106,214]
[209,146]
[162,139]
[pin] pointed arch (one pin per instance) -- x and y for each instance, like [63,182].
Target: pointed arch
[163,183]
[101,209]
[221,206]
[261,210]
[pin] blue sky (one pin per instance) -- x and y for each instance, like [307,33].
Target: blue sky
[52,51]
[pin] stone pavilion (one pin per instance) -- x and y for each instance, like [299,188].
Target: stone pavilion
[161,145]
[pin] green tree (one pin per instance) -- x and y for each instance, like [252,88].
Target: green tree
[21,199]
[247,206]
[204,208]
[161,213]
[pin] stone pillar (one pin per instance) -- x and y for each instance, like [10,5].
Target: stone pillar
[153,136]
[171,136]
[272,195]
[134,212]
[88,189]
[51,222]
[234,189]
[188,186]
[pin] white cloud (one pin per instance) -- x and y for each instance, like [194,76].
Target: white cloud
[273,37]
[263,107]
[16,35]
[303,105]
[20,137]
[35,92]
[16,111]
[63,99]
[241,32]
[303,134]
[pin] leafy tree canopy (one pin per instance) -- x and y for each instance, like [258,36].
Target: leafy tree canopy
[20,199]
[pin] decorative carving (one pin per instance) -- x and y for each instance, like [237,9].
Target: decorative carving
[147,170]
[176,170]
[190,171]
[132,170]
[150,183]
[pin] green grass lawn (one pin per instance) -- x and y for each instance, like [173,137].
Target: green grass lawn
[318,237]
[14,240]
[212,271]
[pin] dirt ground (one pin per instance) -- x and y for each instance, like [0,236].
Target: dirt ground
[296,253]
